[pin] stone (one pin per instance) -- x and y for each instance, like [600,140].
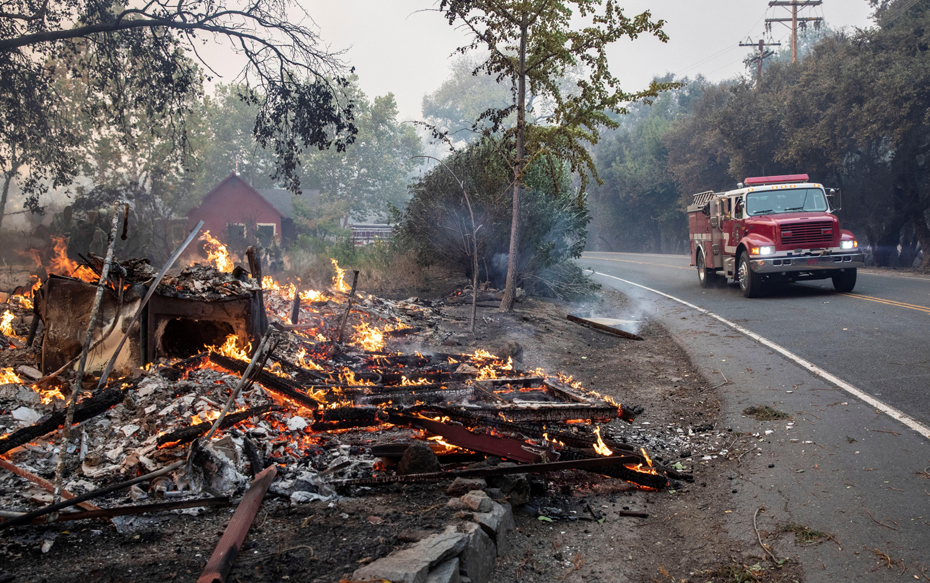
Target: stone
[480,555]
[447,572]
[498,524]
[29,372]
[477,501]
[418,459]
[412,565]
[456,504]
[462,486]
[296,423]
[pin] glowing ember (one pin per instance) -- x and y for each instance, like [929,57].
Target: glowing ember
[217,253]
[339,281]
[305,362]
[645,455]
[310,295]
[207,416]
[232,349]
[6,324]
[371,339]
[600,447]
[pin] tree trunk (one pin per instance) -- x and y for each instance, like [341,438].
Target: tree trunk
[510,288]
[923,235]
[7,179]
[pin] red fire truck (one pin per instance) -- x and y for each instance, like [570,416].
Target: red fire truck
[772,228]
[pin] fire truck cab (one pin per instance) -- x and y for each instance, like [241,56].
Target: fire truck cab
[772,228]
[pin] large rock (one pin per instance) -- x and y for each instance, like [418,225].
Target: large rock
[412,565]
[464,485]
[499,525]
[447,572]
[418,459]
[480,555]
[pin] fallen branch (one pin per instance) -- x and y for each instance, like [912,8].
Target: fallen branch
[759,535]
[602,328]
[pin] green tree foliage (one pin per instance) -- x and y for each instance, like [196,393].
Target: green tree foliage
[532,45]
[437,227]
[372,175]
[294,84]
[853,113]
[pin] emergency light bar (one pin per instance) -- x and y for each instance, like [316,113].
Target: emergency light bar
[776,179]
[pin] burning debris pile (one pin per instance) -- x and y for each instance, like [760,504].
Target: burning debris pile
[320,390]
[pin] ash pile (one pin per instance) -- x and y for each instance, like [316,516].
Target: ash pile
[323,388]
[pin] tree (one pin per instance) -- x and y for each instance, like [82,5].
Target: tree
[531,45]
[437,225]
[295,85]
[372,175]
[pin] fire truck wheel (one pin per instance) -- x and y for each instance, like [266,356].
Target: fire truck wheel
[706,277]
[749,282]
[845,281]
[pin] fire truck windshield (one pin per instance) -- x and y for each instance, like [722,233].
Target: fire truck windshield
[767,202]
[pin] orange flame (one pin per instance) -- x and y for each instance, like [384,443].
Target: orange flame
[217,252]
[61,264]
[371,339]
[9,377]
[6,324]
[600,447]
[232,349]
[339,281]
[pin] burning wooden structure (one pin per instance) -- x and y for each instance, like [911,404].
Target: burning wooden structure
[331,415]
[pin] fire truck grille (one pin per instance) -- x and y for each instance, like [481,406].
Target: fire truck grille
[812,233]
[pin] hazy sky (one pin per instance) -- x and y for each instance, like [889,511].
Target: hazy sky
[403,46]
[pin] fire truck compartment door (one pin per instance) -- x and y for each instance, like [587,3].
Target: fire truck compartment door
[716,235]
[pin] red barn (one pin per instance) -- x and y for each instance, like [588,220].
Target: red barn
[234,213]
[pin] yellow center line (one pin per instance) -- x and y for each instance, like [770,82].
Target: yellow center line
[638,262]
[894,303]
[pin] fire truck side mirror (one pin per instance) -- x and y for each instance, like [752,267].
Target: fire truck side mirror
[836,199]
[706,210]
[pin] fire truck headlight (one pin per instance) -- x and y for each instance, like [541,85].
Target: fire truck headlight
[767,250]
[849,244]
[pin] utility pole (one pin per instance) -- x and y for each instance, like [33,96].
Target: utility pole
[794,20]
[760,56]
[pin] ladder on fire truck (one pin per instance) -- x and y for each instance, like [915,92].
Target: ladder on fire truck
[700,199]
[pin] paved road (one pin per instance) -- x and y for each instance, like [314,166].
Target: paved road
[875,338]
[838,465]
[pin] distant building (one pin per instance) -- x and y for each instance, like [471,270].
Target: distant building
[235,213]
[368,233]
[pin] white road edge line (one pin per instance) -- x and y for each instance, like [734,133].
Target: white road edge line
[813,368]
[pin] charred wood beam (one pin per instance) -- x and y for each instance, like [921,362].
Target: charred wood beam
[306,373]
[602,328]
[566,392]
[188,434]
[536,431]
[547,412]
[651,479]
[179,369]
[396,378]
[285,388]
[598,465]
[515,382]
[402,332]
[417,395]
[347,418]
[86,409]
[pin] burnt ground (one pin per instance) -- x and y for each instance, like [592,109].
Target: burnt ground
[685,538]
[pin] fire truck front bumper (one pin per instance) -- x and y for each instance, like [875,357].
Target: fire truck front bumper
[829,262]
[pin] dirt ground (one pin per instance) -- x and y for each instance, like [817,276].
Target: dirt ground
[684,539]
